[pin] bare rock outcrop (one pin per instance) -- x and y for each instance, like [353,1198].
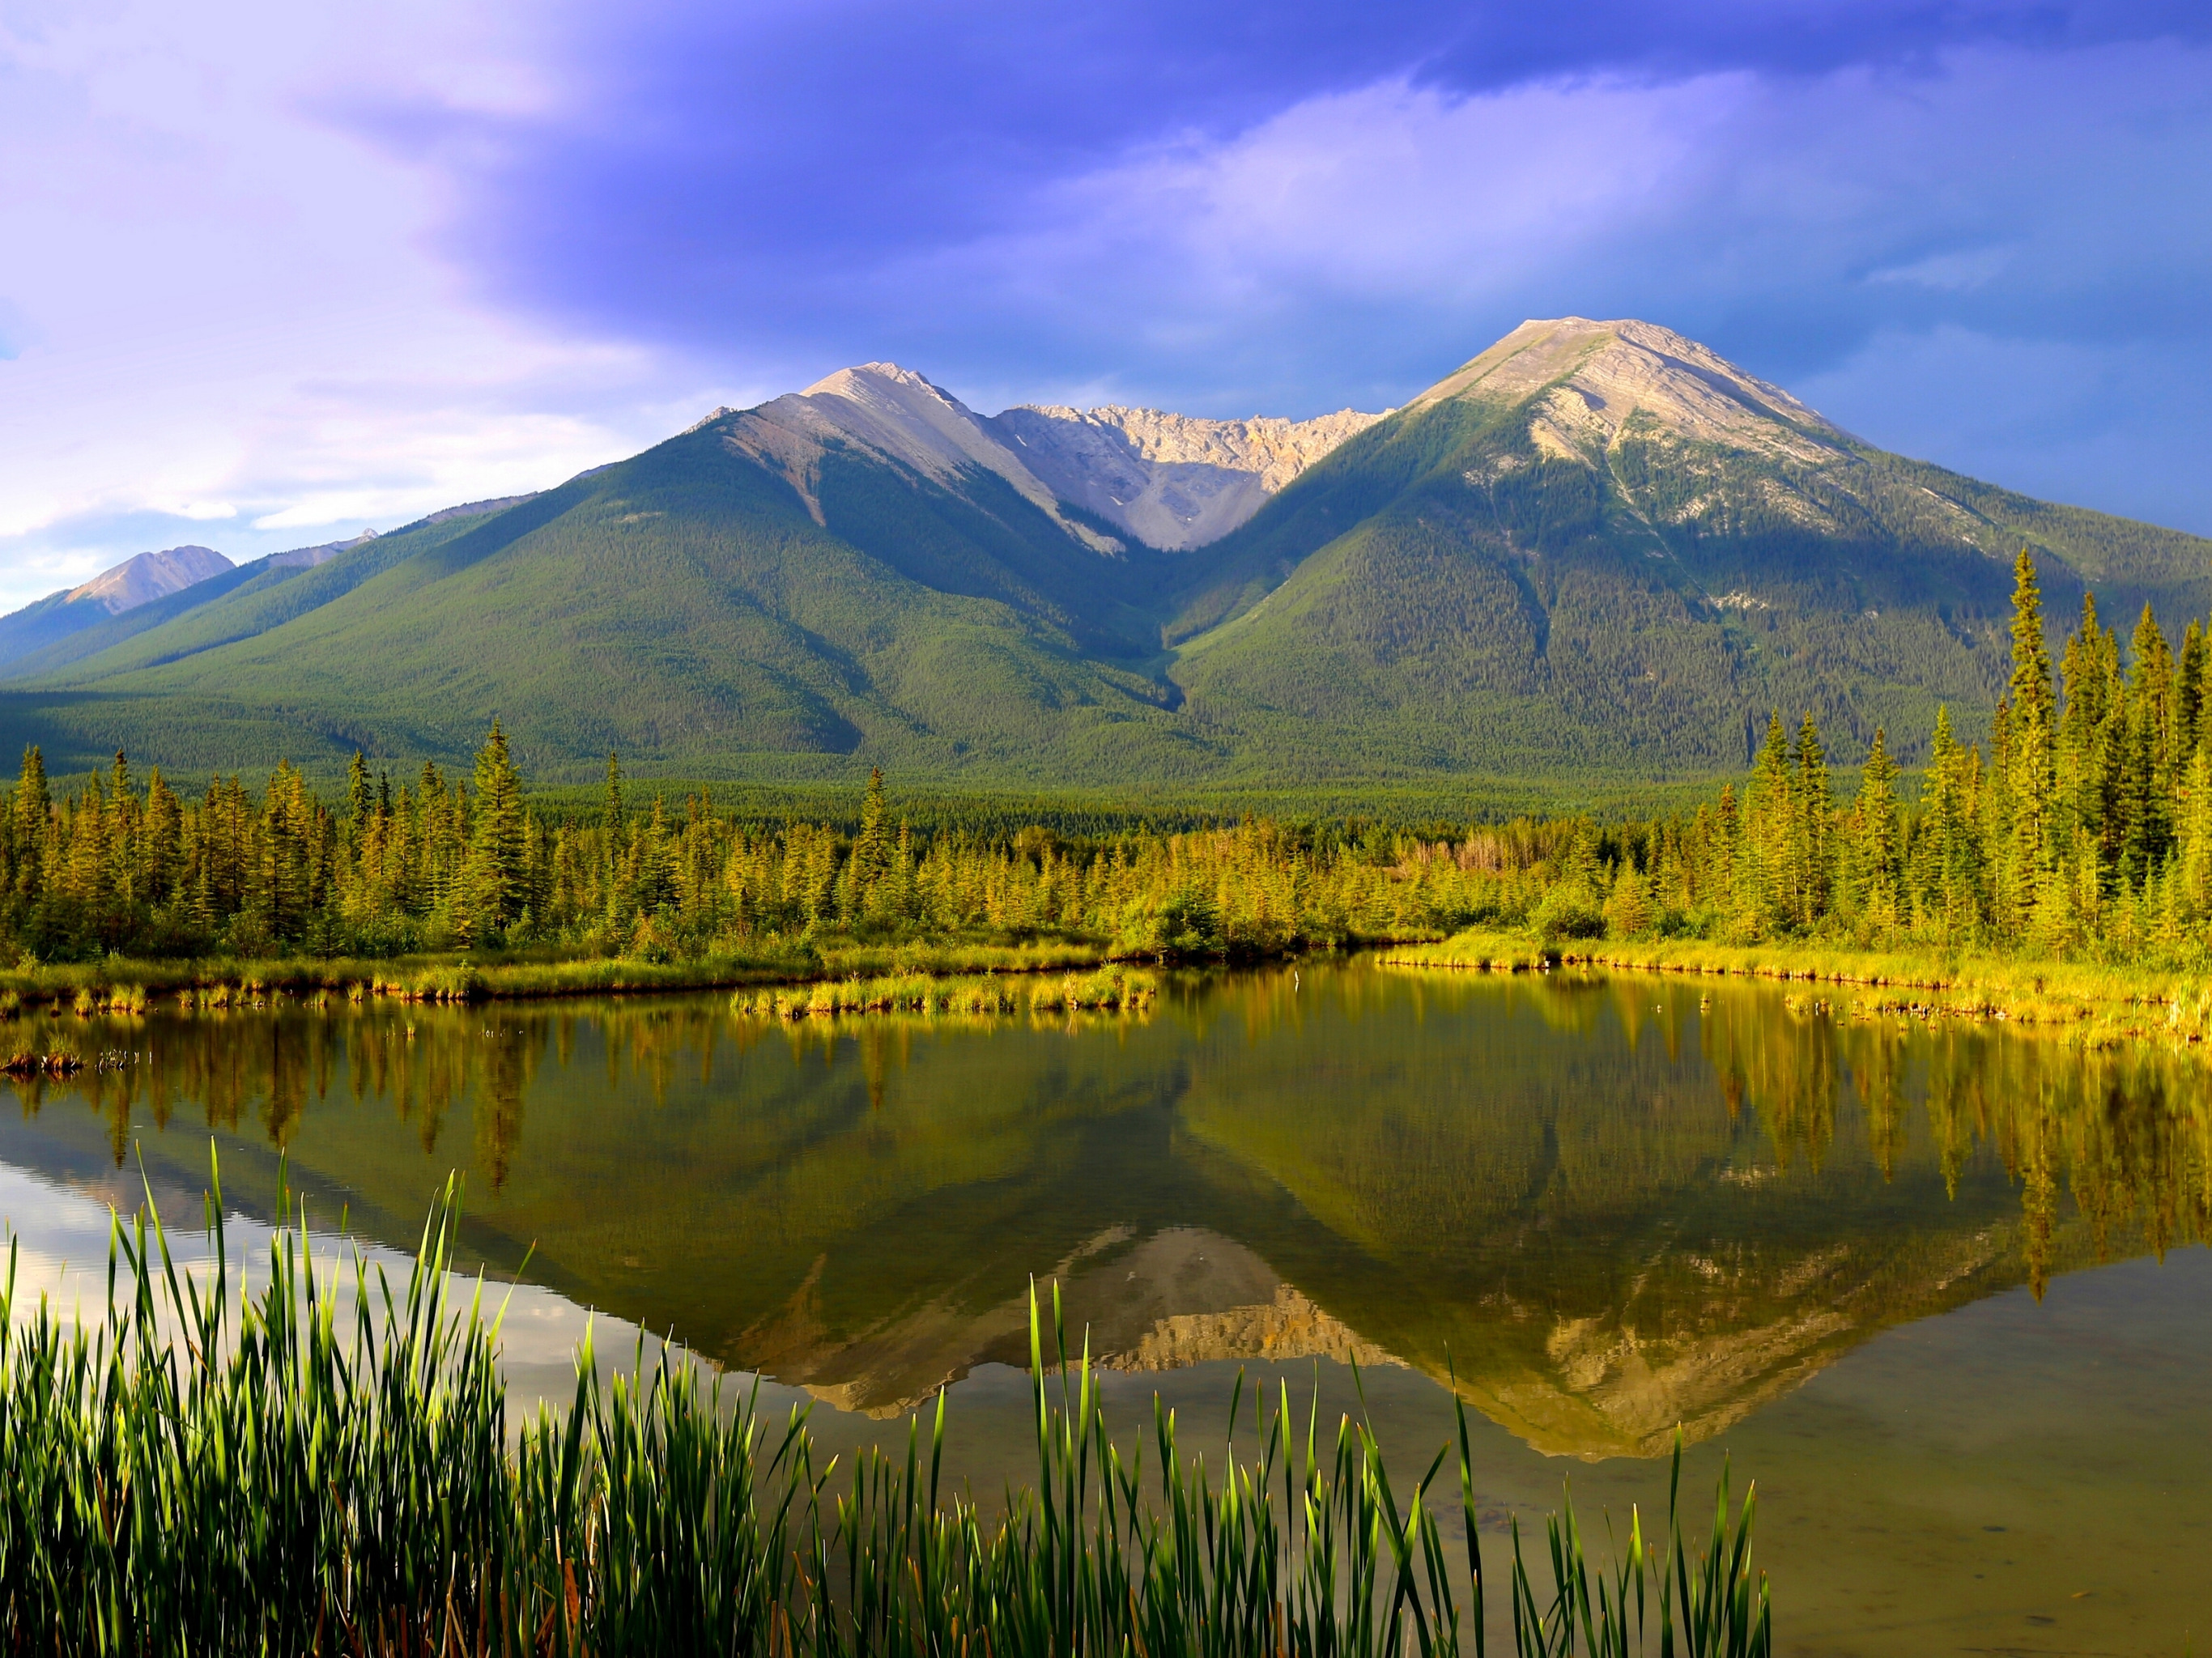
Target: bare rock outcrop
[1172,481]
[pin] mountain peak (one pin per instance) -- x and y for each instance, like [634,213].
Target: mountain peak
[897,414]
[1588,378]
[147,577]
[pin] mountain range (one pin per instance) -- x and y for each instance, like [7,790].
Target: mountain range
[1597,550]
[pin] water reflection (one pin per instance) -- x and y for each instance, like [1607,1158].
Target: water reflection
[1610,1205]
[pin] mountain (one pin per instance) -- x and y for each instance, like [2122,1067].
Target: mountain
[1169,480]
[1597,551]
[134,582]
[149,576]
[1599,548]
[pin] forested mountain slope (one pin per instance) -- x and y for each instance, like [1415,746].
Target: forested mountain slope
[690,607]
[1598,547]
[135,582]
[1597,550]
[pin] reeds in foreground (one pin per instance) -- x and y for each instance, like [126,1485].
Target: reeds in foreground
[196,1475]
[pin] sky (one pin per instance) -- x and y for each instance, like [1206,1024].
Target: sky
[272,274]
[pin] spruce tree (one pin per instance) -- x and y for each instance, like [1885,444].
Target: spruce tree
[2089,739]
[872,848]
[359,801]
[1878,852]
[1764,884]
[33,807]
[497,855]
[1812,805]
[2150,684]
[2195,834]
[2031,736]
[2188,696]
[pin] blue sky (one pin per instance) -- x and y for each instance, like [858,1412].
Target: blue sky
[272,274]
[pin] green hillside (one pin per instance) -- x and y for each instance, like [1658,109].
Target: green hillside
[681,607]
[1594,558]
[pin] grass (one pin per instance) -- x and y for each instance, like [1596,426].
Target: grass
[118,985]
[2088,1003]
[1112,989]
[198,1474]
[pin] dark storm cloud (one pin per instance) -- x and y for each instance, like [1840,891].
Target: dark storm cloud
[736,173]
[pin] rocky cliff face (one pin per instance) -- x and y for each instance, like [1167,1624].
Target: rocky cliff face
[1171,481]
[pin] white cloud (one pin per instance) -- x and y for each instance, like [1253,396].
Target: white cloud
[224,307]
[1954,273]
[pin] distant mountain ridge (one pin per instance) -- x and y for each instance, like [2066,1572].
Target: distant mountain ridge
[149,576]
[1597,551]
[122,587]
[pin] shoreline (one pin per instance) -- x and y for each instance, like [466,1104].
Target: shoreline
[120,985]
[2092,1004]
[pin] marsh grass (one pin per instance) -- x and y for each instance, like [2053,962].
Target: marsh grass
[2090,1003]
[209,1470]
[121,985]
[1113,989]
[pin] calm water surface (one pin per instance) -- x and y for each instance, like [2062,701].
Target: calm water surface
[1942,1292]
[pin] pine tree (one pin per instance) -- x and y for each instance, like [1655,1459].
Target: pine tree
[359,801]
[872,849]
[499,883]
[1877,852]
[2031,779]
[1812,806]
[33,807]
[2188,696]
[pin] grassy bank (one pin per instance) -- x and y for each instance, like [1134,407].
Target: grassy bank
[2088,1002]
[1112,989]
[124,985]
[211,1473]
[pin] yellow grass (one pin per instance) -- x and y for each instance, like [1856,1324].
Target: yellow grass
[2089,1002]
[1109,989]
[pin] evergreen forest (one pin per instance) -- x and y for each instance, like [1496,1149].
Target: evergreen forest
[2079,826]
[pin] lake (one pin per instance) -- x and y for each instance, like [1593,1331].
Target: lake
[1941,1290]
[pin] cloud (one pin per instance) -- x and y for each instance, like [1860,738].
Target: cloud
[323,268]
[232,323]
[767,180]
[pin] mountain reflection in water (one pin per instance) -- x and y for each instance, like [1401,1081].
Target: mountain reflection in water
[1610,1205]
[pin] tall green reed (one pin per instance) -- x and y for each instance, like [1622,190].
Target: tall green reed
[213,1469]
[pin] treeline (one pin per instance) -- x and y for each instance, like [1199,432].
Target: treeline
[115,866]
[2082,827]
